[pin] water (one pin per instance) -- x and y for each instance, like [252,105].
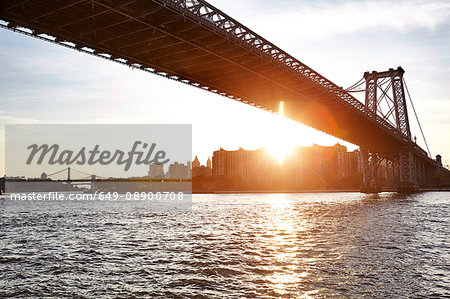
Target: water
[244,245]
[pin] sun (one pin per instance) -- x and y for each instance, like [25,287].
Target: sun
[280,151]
[281,146]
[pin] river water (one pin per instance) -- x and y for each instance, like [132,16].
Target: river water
[234,245]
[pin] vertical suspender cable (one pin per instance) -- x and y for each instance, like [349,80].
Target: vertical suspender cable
[418,122]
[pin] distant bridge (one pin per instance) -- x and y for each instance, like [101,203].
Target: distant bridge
[46,183]
[91,178]
[195,43]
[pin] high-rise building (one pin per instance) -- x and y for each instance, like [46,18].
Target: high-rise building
[252,165]
[199,170]
[328,160]
[326,166]
[179,171]
[208,163]
[195,163]
[156,171]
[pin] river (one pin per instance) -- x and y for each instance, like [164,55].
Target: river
[233,245]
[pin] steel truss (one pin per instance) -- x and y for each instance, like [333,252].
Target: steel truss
[207,16]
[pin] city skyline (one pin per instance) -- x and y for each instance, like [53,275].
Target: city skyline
[75,88]
[305,168]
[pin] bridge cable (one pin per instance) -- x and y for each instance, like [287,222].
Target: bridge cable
[417,118]
[82,172]
[57,172]
[89,174]
[357,84]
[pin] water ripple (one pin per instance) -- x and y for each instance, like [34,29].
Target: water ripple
[239,245]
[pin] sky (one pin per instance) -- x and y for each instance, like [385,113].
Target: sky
[42,83]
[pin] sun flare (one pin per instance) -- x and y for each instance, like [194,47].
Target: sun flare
[280,150]
[281,146]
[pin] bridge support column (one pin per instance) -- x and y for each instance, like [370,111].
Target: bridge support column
[370,172]
[391,173]
[420,172]
[93,185]
[407,168]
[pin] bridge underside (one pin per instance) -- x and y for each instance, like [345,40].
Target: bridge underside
[179,43]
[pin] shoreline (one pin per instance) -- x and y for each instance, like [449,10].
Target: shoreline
[311,191]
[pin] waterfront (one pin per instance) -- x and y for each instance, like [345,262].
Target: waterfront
[249,245]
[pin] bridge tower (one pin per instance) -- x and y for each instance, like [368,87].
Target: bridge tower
[385,97]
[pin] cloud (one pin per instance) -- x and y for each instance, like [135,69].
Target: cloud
[10,119]
[319,19]
[353,16]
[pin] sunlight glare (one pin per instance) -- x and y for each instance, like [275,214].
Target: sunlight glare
[282,146]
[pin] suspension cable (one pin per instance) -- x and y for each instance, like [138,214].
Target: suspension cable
[89,174]
[81,171]
[417,118]
[57,172]
[73,169]
[357,84]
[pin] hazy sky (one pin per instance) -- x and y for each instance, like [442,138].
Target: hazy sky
[45,83]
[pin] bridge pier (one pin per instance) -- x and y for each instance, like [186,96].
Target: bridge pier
[93,184]
[408,171]
[404,171]
[391,173]
[370,172]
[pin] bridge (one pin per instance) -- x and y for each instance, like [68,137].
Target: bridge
[93,178]
[55,182]
[195,43]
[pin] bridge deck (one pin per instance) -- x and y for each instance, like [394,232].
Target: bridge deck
[195,43]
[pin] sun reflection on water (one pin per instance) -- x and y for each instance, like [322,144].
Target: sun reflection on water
[283,226]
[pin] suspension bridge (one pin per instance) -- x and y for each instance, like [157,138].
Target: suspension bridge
[68,170]
[64,180]
[195,43]
[92,178]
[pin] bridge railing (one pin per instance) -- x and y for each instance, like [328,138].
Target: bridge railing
[211,17]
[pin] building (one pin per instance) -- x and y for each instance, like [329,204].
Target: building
[328,160]
[195,163]
[354,163]
[199,170]
[255,167]
[156,171]
[179,171]
[307,167]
